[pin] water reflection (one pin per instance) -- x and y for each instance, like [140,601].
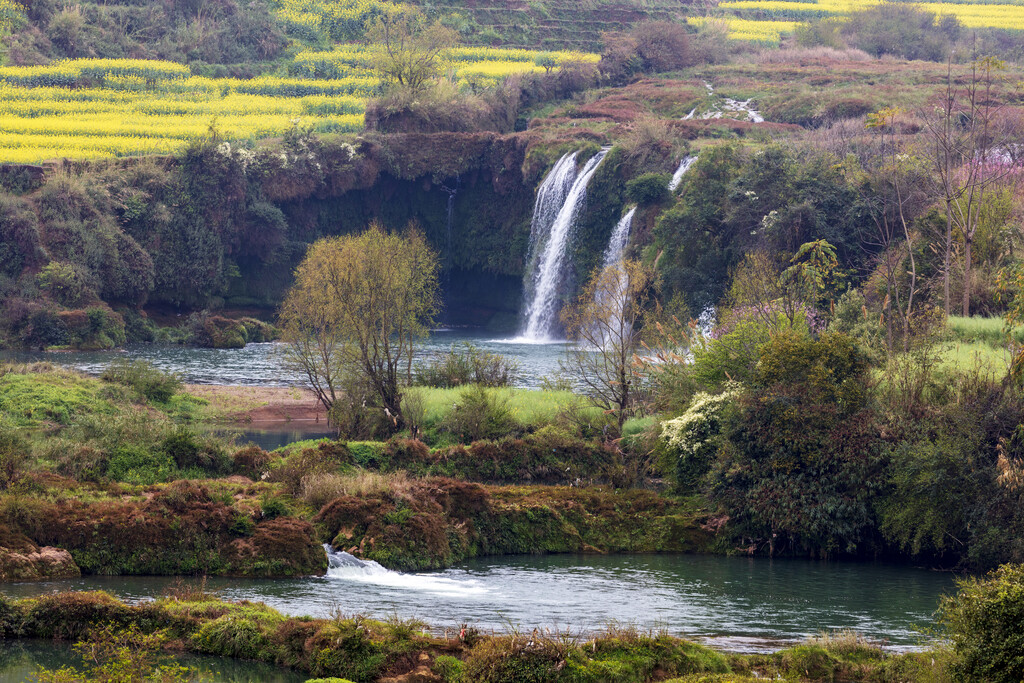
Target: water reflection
[750,603]
[20,660]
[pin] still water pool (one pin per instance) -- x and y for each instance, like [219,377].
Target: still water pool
[262,364]
[745,604]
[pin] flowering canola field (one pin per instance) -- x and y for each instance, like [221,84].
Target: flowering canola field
[94,108]
[765,20]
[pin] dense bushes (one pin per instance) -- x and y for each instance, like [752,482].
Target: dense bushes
[148,381]
[467,364]
[887,29]
[983,621]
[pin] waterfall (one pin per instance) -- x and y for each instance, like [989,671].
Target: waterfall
[342,566]
[452,191]
[619,240]
[612,259]
[547,273]
[550,196]
[677,177]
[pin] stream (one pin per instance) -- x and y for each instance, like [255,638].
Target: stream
[738,604]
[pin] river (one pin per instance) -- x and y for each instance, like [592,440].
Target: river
[262,364]
[740,604]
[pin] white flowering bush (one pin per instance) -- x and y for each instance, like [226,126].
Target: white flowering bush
[690,440]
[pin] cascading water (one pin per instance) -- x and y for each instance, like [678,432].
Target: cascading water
[546,276]
[677,177]
[619,240]
[615,293]
[346,567]
[550,197]
[452,191]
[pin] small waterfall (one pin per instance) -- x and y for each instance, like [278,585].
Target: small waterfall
[452,191]
[619,240]
[346,567]
[677,177]
[545,279]
[614,294]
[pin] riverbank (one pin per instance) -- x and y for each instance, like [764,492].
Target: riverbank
[260,407]
[396,651]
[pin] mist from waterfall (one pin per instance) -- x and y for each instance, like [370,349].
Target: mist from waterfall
[550,233]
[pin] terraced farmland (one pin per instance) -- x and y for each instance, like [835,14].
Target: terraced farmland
[759,19]
[84,109]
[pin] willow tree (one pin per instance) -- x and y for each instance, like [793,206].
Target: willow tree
[604,322]
[357,308]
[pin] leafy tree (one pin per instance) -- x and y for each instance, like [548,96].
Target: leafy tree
[983,622]
[801,458]
[968,155]
[605,323]
[112,655]
[358,305]
[409,51]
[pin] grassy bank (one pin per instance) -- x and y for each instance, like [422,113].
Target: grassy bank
[363,650]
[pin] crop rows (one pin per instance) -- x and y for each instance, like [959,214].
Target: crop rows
[91,108]
[767,33]
[978,14]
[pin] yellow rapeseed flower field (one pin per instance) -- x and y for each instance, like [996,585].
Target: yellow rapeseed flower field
[784,13]
[94,108]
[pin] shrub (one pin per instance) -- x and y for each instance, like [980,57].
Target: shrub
[479,415]
[649,188]
[691,440]
[148,381]
[14,453]
[139,465]
[662,45]
[188,450]
[467,364]
[251,461]
[983,621]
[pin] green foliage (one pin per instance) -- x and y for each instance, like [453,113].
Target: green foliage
[734,202]
[690,441]
[28,399]
[983,622]
[137,464]
[143,377]
[648,189]
[115,655]
[801,460]
[478,415]
[14,453]
[449,668]
[467,364]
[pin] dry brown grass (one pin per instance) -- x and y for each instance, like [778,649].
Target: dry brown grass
[811,55]
[320,488]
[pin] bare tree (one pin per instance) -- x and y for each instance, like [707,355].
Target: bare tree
[894,188]
[605,324]
[970,153]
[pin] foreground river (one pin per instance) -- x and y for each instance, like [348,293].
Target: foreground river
[732,603]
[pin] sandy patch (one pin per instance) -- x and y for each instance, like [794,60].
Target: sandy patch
[253,405]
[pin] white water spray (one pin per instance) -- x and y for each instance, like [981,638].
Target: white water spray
[546,278]
[346,567]
[677,177]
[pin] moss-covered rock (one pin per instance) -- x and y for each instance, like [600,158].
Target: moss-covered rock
[438,522]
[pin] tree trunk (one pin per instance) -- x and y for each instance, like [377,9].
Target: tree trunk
[968,240]
[948,256]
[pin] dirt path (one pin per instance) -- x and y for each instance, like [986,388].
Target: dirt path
[254,405]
